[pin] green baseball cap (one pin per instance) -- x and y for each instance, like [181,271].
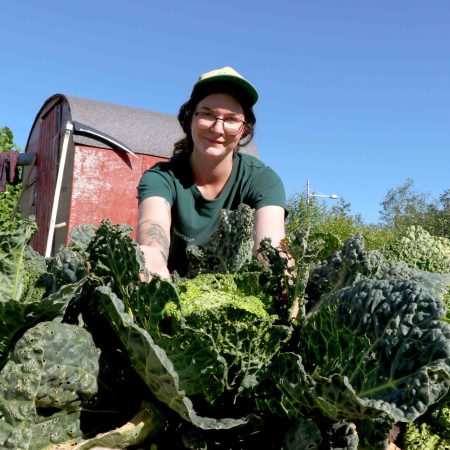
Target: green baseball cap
[229,75]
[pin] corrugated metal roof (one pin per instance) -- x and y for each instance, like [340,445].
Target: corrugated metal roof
[142,130]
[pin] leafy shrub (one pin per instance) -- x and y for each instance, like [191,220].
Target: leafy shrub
[329,228]
[9,214]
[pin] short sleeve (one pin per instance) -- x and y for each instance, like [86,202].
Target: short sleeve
[156,183]
[267,189]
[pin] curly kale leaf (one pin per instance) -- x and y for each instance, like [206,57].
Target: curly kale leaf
[81,236]
[35,278]
[431,431]
[230,246]
[52,372]
[66,267]
[115,257]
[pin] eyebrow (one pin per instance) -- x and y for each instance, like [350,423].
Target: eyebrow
[208,109]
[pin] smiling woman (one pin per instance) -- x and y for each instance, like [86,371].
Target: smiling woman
[180,200]
[210,133]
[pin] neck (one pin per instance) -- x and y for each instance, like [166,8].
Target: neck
[211,176]
[211,170]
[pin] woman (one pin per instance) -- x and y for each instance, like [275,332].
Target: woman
[180,200]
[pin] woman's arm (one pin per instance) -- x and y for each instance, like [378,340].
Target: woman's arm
[153,234]
[269,223]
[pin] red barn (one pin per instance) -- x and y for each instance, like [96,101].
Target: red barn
[84,159]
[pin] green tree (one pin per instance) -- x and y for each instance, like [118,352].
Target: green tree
[439,216]
[9,214]
[404,207]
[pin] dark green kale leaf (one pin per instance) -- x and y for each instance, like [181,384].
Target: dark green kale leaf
[52,373]
[341,269]
[115,257]
[375,347]
[25,286]
[230,246]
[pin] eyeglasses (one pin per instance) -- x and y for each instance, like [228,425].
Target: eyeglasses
[231,125]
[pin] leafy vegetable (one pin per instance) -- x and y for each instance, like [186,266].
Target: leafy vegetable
[217,353]
[12,259]
[172,328]
[52,372]
[419,249]
[230,246]
[23,284]
[154,366]
[374,345]
[431,431]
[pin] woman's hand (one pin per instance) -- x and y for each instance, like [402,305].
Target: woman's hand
[155,262]
[269,223]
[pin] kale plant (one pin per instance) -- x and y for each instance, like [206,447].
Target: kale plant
[25,286]
[375,345]
[226,321]
[215,358]
[52,372]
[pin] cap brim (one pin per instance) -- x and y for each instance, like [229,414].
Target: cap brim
[245,86]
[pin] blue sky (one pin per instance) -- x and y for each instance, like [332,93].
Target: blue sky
[354,95]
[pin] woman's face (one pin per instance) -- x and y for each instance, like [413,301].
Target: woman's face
[214,142]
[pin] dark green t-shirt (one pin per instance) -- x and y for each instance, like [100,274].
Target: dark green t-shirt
[195,218]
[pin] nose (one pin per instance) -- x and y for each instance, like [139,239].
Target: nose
[215,125]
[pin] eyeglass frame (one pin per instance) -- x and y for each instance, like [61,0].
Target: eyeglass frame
[243,123]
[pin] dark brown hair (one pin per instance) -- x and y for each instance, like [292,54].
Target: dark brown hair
[186,145]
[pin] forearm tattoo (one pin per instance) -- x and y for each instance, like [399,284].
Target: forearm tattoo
[155,233]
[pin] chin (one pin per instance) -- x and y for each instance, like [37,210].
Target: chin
[214,151]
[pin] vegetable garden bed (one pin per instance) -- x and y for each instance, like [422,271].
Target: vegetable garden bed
[214,361]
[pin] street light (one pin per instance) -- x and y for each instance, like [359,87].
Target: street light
[310,194]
